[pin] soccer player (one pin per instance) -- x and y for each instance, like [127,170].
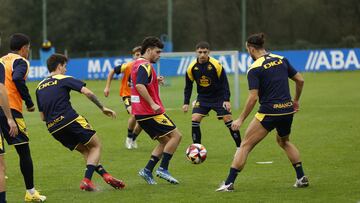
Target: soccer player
[133,128]
[268,81]
[213,92]
[12,132]
[150,113]
[16,70]
[68,127]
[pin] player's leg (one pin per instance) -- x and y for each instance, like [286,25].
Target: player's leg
[117,184]
[131,123]
[172,141]
[198,113]
[235,134]
[283,132]
[135,133]
[253,135]
[2,178]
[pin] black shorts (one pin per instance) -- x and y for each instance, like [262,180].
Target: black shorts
[282,123]
[77,132]
[2,146]
[204,109]
[22,136]
[127,102]
[156,125]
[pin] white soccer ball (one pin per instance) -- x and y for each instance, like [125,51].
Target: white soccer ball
[196,153]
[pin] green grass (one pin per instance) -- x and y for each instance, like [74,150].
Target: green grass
[326,131]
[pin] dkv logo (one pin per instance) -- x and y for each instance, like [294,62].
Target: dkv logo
[332,60]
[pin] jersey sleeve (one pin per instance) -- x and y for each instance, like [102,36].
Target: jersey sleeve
[225,84]
[291,70]
[38,103]
[20,69]
[253,79]
[74,84]
[117,69]
[2,74]
[143,75]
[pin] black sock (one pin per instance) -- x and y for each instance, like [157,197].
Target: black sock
[234,134]
[130,134]
[3,197]
[232,176]
[89,171]
[26,164]
[152,162]
[134,136]
[299,170]
[100,170]
[165,160]
[196,133]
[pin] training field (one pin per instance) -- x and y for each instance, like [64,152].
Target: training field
[326,131]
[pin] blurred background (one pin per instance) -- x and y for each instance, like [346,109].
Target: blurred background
[106,28]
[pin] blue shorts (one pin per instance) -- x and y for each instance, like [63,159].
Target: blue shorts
[156,125]
[205,109]
[22,136]
[282,123]
[77,132]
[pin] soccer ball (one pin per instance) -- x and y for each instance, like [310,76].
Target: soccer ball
[196,153]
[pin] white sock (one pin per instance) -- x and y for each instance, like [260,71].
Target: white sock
[31,191]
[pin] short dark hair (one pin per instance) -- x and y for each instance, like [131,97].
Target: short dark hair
[54,60]
[18,40]
[256,40]
[136,49]
[202,45]
[151,42]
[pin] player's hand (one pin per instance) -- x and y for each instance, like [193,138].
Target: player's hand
[161,80]
[296,106]
[108,112]
[156,108]
[31,109]
[13,127]
[236,124]
[185,108]
[106,92]
[227,106]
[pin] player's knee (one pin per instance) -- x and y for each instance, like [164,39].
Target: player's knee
[282,142]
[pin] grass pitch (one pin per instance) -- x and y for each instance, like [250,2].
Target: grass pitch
[326,131]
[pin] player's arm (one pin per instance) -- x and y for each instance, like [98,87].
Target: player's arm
[92,97]
[20,69]
[225,84]
[143,78]
[299,83]
[187,91]
[5,107]
[254,84]
[42,117]
[4,101]
[108,83]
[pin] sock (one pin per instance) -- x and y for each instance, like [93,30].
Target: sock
[100,170]
[26,165]
[31,191]
[152,162]
[89,171]
[3,197]
[232,176]
[299,170]
[134,136]
[234,134]
[165,160]
[130,134]
[196,133]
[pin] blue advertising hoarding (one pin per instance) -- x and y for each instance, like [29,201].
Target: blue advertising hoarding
[302,60]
